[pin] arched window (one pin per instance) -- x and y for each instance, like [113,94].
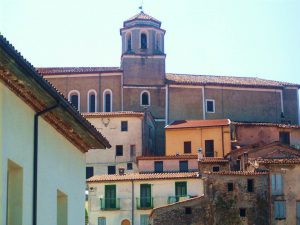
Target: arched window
[74,98]
[158,42]
[92,101]
[128,39]
[145,98]
[143,41]
[107,100]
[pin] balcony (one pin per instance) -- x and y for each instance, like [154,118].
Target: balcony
[144,203]
[110,203]
[173,199]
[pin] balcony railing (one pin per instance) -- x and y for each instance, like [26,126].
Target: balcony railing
[173,199]
[144,203]
[110,203]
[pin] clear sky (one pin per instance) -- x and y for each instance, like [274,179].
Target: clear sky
[226,37]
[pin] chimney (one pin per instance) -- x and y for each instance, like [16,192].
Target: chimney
[121,171]
[200,154]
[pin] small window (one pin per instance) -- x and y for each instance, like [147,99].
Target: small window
[209,148]
[242,212]
[145,98]
[75,100]
[101,221]
[277,184]
[210,106]
[216,168]
[187,147]
[158,167]
[119,150]
[250,185]
[230,187]
[89,172]
[124,125]
[284,137]
[188,210]
[144,219]
[143,41]
[183,166]
[279,210]
[111,169]
[129,166]
[129,42]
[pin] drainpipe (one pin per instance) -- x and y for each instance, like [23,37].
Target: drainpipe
[35,159]
[132,202]
[223,151]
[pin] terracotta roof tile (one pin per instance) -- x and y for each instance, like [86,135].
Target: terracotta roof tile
[142,176]
[113,114]
[197,123]
[279,161]
[75,70]
[280,125]
[207,160]
[225,81]
[237,173]
[167,157]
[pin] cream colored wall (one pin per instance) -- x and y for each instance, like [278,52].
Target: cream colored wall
[61,164]
[101,158]
[176,137]
[160,189]
[169,165]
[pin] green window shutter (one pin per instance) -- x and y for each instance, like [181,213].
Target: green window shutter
[180,189]
[145,194]
[110,196]
[144,219]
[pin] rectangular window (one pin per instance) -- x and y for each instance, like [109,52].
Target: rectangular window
[129,166]
[250,185]
[89,172]
[101,221]
[14,193]
[188,210]
[279,210]
[62,208]
[119,150]
[124,125]
[183,166]
[284,137]
[180,189]
[158,167]
[216,168]
[111,169]
[144,219]
[229,187]
[209,148]
[110,197]
[277,184]
[187,145]
[145,196]
[210,105]
[242,212]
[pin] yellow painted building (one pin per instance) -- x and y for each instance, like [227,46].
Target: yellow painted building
[187,136]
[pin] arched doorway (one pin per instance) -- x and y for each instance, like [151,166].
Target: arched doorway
[125,222]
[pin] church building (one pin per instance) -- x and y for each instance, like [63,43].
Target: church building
[142,84]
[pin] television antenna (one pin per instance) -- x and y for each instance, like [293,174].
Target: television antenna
[141,6]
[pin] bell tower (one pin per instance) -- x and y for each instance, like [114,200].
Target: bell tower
[143,57]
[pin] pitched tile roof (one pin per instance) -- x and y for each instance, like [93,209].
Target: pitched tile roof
[236,173]
[197,123]
[76,70]
[113,114]
[166,157]
[142,176]
[142,16]
[280,125]
[207,160]
[279,161]
[74,126]
[225,81]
